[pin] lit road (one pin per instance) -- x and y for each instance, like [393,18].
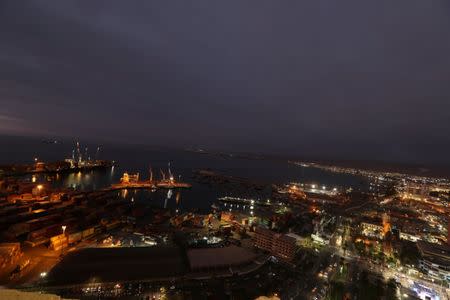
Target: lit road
[404,278]
[41,260]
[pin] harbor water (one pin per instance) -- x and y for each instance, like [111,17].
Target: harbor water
[139,159]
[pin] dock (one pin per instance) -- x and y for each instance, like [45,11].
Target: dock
[150,185]
[132,181]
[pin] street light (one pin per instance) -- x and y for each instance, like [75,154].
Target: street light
[63,227]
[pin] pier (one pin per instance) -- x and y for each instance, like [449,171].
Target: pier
[131,181]
[150,185]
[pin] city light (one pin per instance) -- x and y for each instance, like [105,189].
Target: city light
[354,231]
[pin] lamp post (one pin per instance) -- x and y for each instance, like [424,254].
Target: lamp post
[63,227]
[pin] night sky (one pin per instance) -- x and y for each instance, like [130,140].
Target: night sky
[325,78]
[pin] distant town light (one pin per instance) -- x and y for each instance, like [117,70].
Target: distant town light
[43,274]
[40,187]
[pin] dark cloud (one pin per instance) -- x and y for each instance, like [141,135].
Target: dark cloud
[350,79]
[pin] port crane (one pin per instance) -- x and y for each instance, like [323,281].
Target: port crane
[78,151]
[97,153]
[162,174]
[170,172]
[151,173]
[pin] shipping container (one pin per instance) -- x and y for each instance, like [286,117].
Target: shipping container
[39,241]
[74,237]
[19,229]
[37,234]
[112,225]
[57,237]
[88,232]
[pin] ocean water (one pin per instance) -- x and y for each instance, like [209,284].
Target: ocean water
[133,159]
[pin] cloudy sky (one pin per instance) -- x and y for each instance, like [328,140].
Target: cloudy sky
[345,79]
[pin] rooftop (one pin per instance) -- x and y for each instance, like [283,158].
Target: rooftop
[219,257]
[118,264]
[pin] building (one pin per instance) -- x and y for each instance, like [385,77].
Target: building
[119,264]
[227,216]
[279,245]
[435,260]
[40,166]
[371,229]
[210,259]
